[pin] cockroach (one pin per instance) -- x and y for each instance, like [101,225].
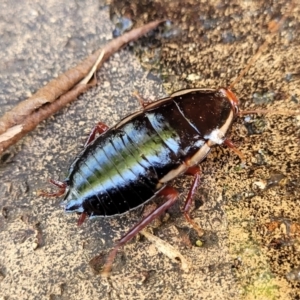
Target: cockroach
[129,164]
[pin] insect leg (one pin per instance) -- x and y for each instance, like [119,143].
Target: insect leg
[142,101]
[61,189]
[194,171]
[82,218]
[99,128]
[167,192]
[230,145]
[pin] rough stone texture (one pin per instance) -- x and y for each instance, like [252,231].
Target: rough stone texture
[44,255]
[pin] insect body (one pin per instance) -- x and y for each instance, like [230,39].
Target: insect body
[128,164]
[132,162]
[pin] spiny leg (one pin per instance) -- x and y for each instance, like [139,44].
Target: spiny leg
[61,185]
[82,218]
[99,128]
[193,171]
[141,100]
[171,195]
[284,112]
[255,111]
[230,145]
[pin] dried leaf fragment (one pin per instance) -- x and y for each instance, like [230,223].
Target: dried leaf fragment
[10,133]
[168,250]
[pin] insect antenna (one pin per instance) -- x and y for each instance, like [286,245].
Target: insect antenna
[274,28]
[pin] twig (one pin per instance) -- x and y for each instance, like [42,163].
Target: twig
[60,91]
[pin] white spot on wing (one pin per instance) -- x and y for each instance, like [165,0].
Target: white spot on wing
[216,136]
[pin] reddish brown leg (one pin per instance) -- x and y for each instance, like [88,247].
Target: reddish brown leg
[82,218]
[286,112]
[99,128]
[171,195]
[256,111]
[194,171]
[61,189]
[230,145]
[142,101]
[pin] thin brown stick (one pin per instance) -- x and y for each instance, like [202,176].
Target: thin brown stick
[24,117]
[41,114]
